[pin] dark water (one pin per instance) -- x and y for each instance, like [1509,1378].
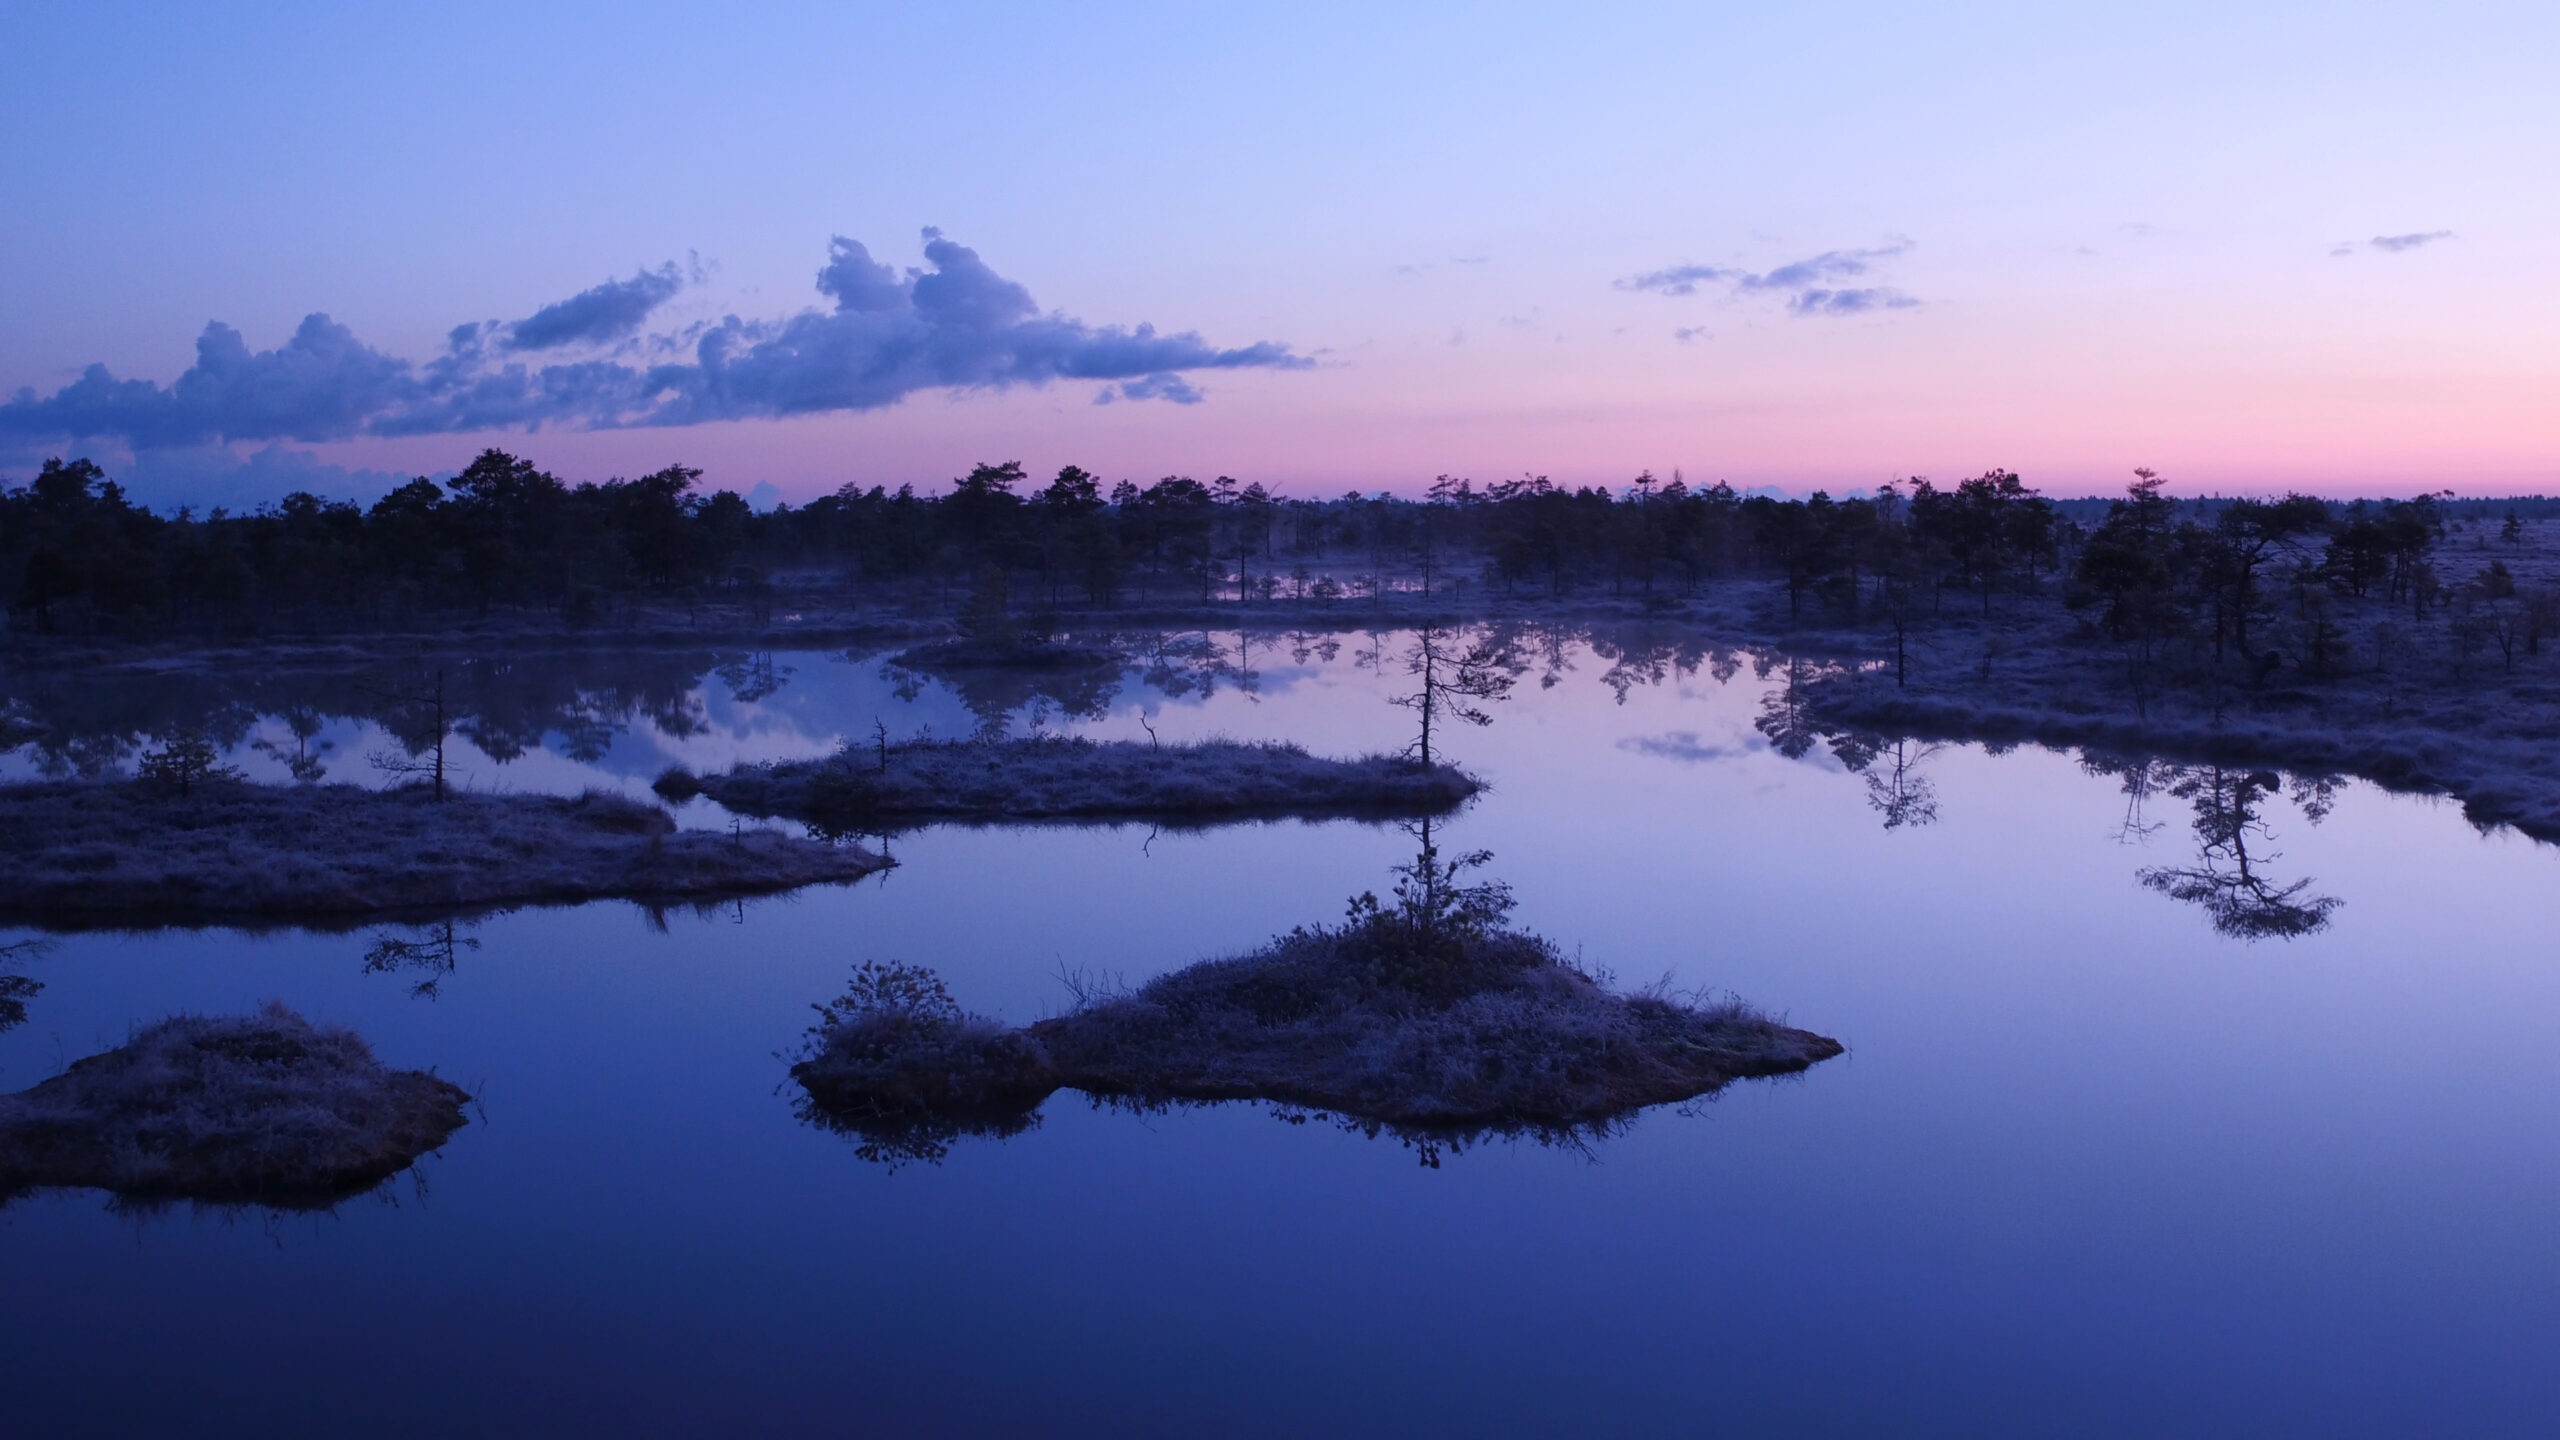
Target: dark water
[2089,1167]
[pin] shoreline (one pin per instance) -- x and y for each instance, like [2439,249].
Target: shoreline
[117,855]
[1071,779]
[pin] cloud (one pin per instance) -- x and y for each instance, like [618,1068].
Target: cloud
[320,385]
[1807,283]
[1850,302]
[1687,333]
[208,476]
[610,311]
[1829,265]
[1167,386]
[2394,244]
[954,325]
[1684,746]
[1679,279]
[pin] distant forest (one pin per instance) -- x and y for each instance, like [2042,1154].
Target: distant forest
[504,537]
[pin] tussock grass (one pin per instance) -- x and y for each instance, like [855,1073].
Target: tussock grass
[106,853]
[265,1109]
[1490,1031]
[1070,778]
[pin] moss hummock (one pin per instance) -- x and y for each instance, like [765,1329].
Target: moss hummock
[265,1109]
[1494,1030]
[1060,778]
[103,853]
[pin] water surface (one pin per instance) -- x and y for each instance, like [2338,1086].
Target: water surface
[2090,1166]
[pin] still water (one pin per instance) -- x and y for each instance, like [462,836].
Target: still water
[2091,1166]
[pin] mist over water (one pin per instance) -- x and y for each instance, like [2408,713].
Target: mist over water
[2097,1161]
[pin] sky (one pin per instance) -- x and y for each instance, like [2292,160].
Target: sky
[1320,246]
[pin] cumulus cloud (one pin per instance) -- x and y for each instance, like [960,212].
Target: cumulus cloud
[953,325]
[1809,285]
[209,476]
[320,385]
[610,311]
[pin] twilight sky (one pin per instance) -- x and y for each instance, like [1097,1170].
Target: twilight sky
[1319,246]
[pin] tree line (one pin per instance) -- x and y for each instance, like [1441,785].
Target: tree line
[506,537]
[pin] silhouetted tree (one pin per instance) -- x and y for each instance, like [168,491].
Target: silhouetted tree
[1452,678]
[184,765]
[2247,535]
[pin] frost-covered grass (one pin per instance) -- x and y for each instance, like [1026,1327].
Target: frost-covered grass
[1066,778]
[116,853]
[265,1108]
[1490,1031]
[2397,704]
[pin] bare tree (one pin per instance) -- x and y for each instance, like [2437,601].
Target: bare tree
[1453,680]
[424,703]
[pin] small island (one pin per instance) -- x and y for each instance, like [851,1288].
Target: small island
[1425,1017]
[122,854]
[1068,778]
[263,1109]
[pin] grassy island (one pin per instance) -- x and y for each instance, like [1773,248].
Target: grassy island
[258,1109]
[113,853]
[2466,727]
[1424,1017]
[1053,778]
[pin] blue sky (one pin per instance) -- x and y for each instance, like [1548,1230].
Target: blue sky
[2066,239]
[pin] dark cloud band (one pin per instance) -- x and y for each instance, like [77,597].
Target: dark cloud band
[613,310]
[955,325]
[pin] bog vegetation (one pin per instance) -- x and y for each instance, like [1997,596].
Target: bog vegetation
[866,787]
[1422,1014]
[264,1109]
[2401,640]
[211,851]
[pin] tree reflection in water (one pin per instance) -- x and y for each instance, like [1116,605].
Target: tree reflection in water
[430,951]
[896,1140]
[1082,687]
[2228,880]
[1786,712]
[306,763]
[17,990]
[1896,788]
[503,706]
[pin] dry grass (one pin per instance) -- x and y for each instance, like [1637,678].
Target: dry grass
[1496,1032]
[1057,778]
[106,854]
[265,1109]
